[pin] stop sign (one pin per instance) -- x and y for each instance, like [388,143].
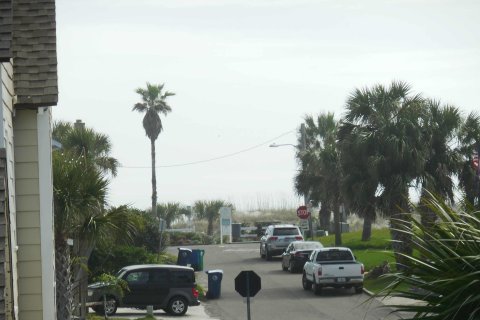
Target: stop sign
[248,283]
[302,212]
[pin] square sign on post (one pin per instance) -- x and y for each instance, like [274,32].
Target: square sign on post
[225,223]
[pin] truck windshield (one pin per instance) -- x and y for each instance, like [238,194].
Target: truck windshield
[334,256]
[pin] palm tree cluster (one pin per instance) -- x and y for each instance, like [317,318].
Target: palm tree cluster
[388,141]
[81,212]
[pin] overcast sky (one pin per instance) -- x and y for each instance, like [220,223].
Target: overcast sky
[246,72]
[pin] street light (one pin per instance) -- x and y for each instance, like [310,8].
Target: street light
[274,145]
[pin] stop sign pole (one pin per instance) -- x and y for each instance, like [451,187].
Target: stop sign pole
[247,283]
[248,296]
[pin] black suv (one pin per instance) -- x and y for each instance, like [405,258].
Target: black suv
[168,287]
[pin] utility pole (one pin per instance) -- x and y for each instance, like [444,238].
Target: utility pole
[303,150]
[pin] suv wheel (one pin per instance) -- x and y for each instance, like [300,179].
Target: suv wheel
[268,255]
[307,285]
[177,306]
[109,309]
[291,267]
[262,255]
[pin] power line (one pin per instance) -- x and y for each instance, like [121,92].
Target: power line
[215,158]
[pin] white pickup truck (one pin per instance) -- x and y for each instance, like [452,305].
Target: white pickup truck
[332,267]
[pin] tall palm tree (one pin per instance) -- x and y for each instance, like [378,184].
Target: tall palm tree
[153,103]
[209,210]
[442,162]
[359,179]
[391,119]
[320,171]
[469,137]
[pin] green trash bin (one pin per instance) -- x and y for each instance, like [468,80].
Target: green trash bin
[197,259]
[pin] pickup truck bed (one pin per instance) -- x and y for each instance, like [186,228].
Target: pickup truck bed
[332,267]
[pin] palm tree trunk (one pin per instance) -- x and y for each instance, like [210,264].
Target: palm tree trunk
[368,219]
[324,217]
[63,280]
[367,228]
[399,220]
[336,219]
[154,179]
[427,216]
[210,226]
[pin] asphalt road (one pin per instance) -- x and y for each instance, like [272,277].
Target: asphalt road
[282,295]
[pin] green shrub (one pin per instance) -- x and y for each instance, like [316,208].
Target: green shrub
[445,274]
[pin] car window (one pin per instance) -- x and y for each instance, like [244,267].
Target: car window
[182,278]
[137,277]
[285,231]
[160,277]
[308,245]
[334,256]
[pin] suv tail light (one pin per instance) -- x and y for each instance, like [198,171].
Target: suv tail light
[362,269]
[195,292]
[319,271]
[298,238]
[298,254]
[273,238]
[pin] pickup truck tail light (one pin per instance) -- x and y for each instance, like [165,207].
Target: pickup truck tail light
[362,269]
[299,238]
[319,271]
[195,293]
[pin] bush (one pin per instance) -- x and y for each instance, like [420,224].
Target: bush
[111,260]
[446,276]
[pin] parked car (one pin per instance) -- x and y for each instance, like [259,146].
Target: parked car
[332,267]
[168,287]
[297,253]
[276,239]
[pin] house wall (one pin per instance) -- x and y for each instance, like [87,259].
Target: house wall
[34,211]
[6,142]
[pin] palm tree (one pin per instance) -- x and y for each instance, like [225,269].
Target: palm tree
[442,124]
[80,213]
[81,141]
[153,103]
[169,211]
[359,182]
[469,137]
[320,171]
[445,279]
[391,120]
[209,210]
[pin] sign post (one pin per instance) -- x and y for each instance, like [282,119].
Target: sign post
[225,223]
[248,283]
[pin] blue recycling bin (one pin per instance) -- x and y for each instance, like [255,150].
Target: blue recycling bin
[197,259]
[184,256]
[214,283]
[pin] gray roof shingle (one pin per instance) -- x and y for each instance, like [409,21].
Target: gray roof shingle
[34,48]
[5,30]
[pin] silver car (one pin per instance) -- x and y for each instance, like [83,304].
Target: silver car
[276,238]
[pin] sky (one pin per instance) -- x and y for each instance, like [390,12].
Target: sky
[245,74]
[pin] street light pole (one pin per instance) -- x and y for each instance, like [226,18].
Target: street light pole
[303,149]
